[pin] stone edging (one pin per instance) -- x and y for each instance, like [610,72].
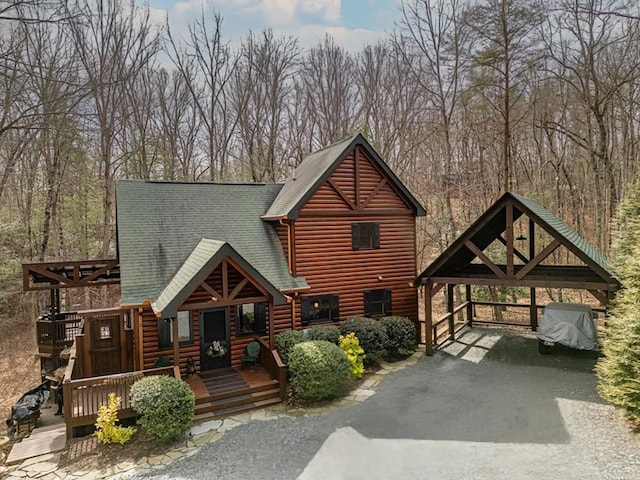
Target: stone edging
[208,432]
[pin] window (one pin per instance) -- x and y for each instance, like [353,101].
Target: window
[320,309]
[185,327]
[164,333]
[251,318]
[165,330]
[105,332]
[365,235]
[377,303]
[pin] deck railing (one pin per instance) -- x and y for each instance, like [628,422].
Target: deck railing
[83,397]
[469,313]
[271,362]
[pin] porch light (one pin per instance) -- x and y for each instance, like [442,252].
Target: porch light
[214,299]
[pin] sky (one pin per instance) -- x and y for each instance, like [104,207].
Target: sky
[353,23]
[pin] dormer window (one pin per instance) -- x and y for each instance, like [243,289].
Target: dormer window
[365,235]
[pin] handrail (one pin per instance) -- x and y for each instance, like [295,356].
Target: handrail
[272,363]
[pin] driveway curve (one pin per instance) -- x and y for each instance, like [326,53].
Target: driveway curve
[487,406]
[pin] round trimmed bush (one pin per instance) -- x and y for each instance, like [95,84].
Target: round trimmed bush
[371,334]
[401,335]
[329,333]
[319,370]
[166,405]
[285,342]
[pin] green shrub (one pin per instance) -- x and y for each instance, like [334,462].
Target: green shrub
[106,429]
[371,334]
[285,342]
[162,361]
[166,405]
[401,335]
[618,370]
[319,370]
[329,333]
[350,345]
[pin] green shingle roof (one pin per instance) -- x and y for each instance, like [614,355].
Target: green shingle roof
[160,224]
[581,247]
[316,168]
[206,255]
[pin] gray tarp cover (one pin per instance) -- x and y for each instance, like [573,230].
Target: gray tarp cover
[29,403]
[571,324]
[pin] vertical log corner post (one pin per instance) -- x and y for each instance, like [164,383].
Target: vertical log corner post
[428,320]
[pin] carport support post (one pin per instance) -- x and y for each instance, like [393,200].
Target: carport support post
[428,322]
[469,305]
[452,324]
[533,312]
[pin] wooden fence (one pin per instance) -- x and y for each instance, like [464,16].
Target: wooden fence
[467,314]
[83,397]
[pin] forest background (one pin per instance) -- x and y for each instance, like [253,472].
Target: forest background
[463,99]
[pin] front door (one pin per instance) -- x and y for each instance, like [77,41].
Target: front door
[105,344]
[215,339]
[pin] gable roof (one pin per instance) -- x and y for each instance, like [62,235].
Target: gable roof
[317,167]
[456,259]
[206,255]
[160,223]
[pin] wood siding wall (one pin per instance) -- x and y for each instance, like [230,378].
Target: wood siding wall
[357,191]
[192,350]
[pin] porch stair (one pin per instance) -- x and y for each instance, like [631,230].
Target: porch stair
[228,393]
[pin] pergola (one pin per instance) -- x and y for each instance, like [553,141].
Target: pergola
[465,262]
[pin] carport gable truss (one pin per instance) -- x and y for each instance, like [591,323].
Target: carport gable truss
[457,265]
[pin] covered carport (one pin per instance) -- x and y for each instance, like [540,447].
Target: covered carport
[527,249]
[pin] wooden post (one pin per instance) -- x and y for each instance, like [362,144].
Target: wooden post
[272,337]
[139,340]
[79,367]
[452,325]
[67,404]
[176,341]
[87,366]
[509,232]
[469,306]
[428,323]
[533,312]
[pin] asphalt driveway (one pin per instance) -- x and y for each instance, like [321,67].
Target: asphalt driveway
[486,407]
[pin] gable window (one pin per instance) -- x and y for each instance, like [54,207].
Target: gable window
[251,318]
[365,235]
[165,330]
[377,303]
[319,309]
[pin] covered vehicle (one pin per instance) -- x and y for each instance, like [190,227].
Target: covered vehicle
[570,324]
[28,405]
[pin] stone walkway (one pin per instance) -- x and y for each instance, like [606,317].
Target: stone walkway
[45,468]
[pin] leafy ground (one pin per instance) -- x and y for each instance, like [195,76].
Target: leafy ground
[19,367]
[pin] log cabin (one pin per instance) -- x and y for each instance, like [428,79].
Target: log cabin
[204,269]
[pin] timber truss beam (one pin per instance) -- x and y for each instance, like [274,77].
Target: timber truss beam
[72,274]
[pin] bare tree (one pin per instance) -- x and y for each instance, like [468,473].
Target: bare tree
[594,45]
[331,98]
[113,44]
[179,124]
[207,65]
[262,84]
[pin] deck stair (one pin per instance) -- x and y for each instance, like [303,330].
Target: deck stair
[228,392]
